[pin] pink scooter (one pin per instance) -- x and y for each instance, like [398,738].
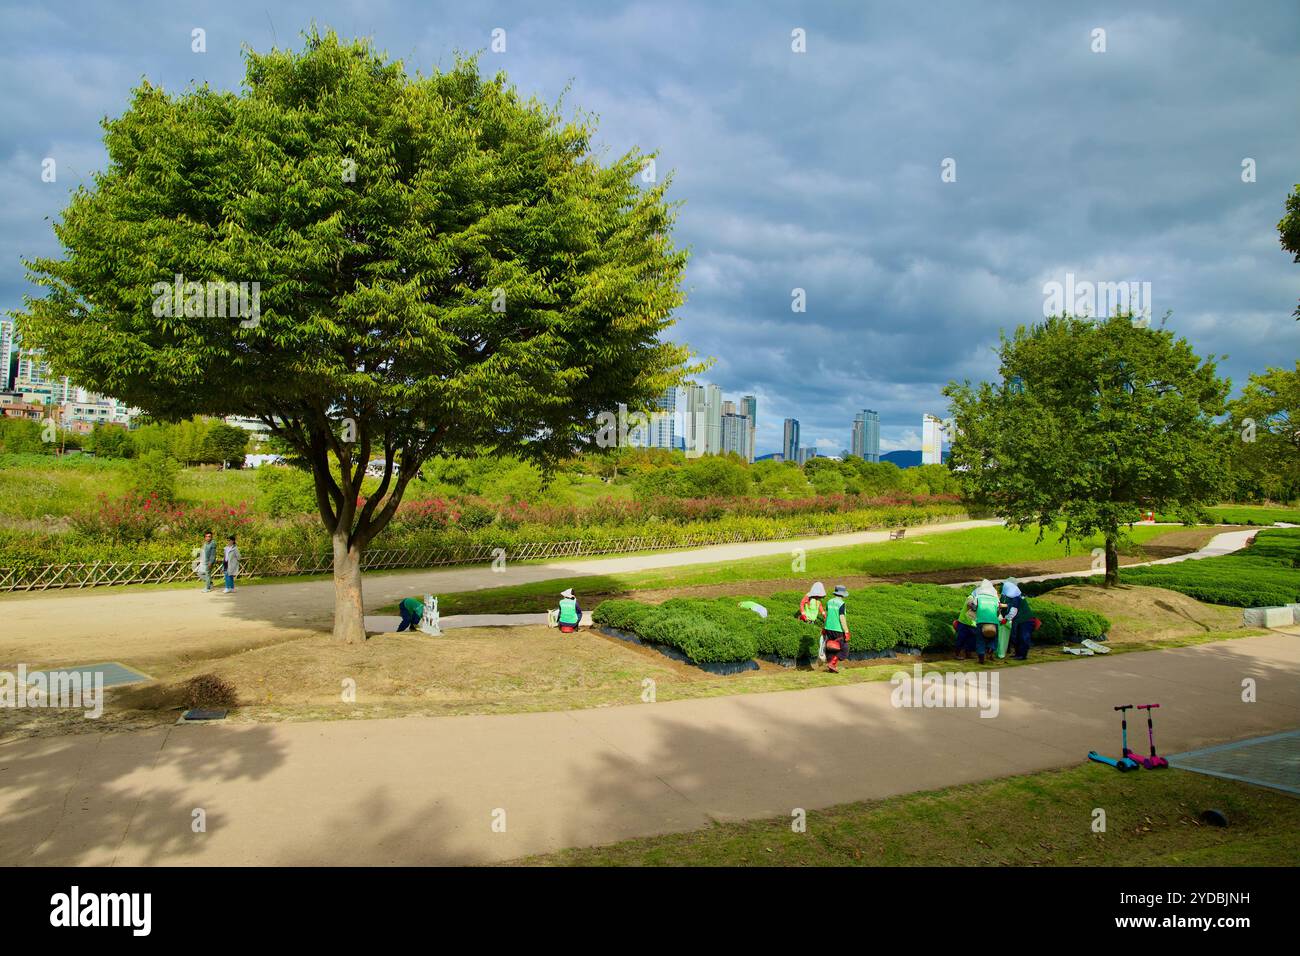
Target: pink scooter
[1155,761]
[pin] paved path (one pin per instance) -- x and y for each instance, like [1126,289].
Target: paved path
[1218,546]
[105,624]
[427,790]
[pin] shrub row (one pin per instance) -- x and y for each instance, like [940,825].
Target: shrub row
[881,618]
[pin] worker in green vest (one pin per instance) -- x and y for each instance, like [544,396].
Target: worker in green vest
[570,612]
[984,599]
[835,632]
[412,611]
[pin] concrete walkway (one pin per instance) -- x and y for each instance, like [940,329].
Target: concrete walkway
[1218,546]
[429,790]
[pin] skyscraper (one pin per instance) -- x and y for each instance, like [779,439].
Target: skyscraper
[6,351]
[737,436]
[749,407]
[790,444]
[663,426]
[703,419]
[931,441]
[866,435]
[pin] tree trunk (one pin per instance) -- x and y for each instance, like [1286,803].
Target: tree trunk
[1112,562]
[349,613]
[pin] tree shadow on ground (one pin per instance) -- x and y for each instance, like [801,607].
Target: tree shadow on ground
[100,799]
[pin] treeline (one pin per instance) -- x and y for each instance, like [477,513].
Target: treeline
[658,473]
[199,441]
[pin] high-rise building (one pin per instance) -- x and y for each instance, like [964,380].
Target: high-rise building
[749,408]
[34,376]
[931,441]
[790,442]
[866,435]
[6,351]
[737,436]
[703,414]
[803,455]
[663,426]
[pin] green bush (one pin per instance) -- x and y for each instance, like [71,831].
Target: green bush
[624,615]
[1062,624]
[284,492]
[153,475]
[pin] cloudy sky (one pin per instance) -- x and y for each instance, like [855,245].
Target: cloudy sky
[818,170]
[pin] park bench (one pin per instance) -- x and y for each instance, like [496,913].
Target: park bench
[896,535]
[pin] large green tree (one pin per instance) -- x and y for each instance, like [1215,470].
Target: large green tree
[442,267]
[1091,424]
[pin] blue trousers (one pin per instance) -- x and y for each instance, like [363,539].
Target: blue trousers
[230,582]
[966,636]
[1022,635]
[409,619]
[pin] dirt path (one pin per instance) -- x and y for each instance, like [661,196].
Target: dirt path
[448,790]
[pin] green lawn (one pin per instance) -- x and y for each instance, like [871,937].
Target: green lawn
[1254,514]
[918,552]
[1042,819]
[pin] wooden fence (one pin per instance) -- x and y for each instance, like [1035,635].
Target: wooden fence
[43,577]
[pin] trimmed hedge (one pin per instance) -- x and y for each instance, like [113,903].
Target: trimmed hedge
[881,617]
[1263,575]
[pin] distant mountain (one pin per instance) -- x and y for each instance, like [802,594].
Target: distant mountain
[906,459]
[903,459]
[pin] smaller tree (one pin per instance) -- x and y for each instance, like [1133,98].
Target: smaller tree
[110,441]
[1266,422]
[1092,424]
[1289,229]
[224,444]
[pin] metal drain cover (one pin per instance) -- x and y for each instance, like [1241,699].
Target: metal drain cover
[1272,761]
[115,675]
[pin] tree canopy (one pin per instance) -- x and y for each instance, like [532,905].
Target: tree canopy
[374,264]
[1092,423]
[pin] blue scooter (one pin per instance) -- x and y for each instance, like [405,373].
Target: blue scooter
[1124,763]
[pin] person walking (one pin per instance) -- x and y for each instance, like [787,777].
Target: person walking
[207,558]
[835,632]
[230,564]
[570,615]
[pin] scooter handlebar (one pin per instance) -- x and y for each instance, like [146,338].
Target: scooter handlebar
[1147,706]
[1125,707]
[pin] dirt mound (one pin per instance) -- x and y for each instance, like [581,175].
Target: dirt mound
[1147,614]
